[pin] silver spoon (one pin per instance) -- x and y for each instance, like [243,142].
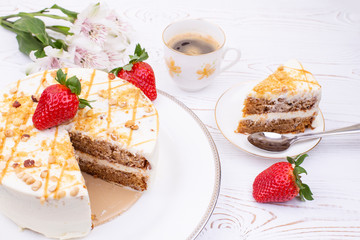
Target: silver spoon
[276,142]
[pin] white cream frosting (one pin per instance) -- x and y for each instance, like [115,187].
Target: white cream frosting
[282,115]
[53,209]
[306,88]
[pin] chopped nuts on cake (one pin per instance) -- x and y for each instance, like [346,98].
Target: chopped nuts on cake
[16,104]
[13,90]
[9,133]
[25,137]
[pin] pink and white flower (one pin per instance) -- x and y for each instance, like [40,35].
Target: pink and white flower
[55,58]
[99,40]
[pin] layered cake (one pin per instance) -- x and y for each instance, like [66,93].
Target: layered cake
[285,102]
[41,185]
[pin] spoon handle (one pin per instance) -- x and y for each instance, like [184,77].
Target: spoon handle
[346,130]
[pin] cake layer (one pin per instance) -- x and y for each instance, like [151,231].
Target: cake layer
[113,172]
[291,125]
[108,151]
[261,105]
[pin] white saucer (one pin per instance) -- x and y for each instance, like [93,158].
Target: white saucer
[228,112]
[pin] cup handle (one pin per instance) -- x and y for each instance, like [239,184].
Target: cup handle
[238,55]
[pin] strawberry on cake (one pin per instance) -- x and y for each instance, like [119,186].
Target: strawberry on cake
[41,186]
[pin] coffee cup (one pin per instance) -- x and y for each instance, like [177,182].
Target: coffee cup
[194,50]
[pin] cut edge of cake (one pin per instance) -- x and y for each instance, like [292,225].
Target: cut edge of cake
[53,199]
[285,102]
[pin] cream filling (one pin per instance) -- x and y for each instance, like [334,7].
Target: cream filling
[282,115]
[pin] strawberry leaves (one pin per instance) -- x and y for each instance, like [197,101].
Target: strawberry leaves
[73,83]
[305,192]
[140,55]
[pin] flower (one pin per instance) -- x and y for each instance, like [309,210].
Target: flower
[90,59]
[95,38]
[206,71]
[99,38]
[55,58]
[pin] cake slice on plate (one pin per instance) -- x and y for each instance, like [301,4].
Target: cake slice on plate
[285,102]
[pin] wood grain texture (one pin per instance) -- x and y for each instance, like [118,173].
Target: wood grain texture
[325,37]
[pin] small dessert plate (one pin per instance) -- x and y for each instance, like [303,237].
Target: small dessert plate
[228,112]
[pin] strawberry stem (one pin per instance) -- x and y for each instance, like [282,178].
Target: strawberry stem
[140,55]
[73,83]
[304,192]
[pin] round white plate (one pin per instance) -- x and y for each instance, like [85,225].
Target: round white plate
[228,112]
[184,191]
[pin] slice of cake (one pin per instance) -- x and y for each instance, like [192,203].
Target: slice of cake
[285,102]
[41,185]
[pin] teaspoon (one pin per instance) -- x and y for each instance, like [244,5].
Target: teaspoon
[276,142]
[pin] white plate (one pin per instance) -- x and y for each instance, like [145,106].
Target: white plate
[184,191]
[228,112]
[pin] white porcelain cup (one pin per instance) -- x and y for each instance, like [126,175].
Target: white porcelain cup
[195,72]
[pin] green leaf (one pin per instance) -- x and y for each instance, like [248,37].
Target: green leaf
[299,159]
[40,53]
[84,103]
[306,193]
[34,26]
[28,43]
[60,77]
[74,85]
[300,170]
[299,183]
[60,29]
[140,54]
[128,67]
[59,44]
[68,13]
[290,160]
[115,71]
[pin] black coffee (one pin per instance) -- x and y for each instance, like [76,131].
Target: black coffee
[193,44]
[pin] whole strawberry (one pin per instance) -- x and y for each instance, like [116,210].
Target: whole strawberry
[139,73]
[281,182]
[59,102]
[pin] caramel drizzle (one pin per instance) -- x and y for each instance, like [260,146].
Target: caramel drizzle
[31,77]
[137,144]
[109,106]
[304,72]
[17,140]
[91,84]
[59,181]
[137,96]
[41,80]
[46,185]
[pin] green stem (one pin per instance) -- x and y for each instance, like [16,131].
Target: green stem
[40,14]
[8,25]
[55,29]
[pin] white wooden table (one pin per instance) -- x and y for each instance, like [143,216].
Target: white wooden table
[325,37]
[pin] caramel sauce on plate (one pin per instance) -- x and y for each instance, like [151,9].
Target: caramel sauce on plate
[108,200]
